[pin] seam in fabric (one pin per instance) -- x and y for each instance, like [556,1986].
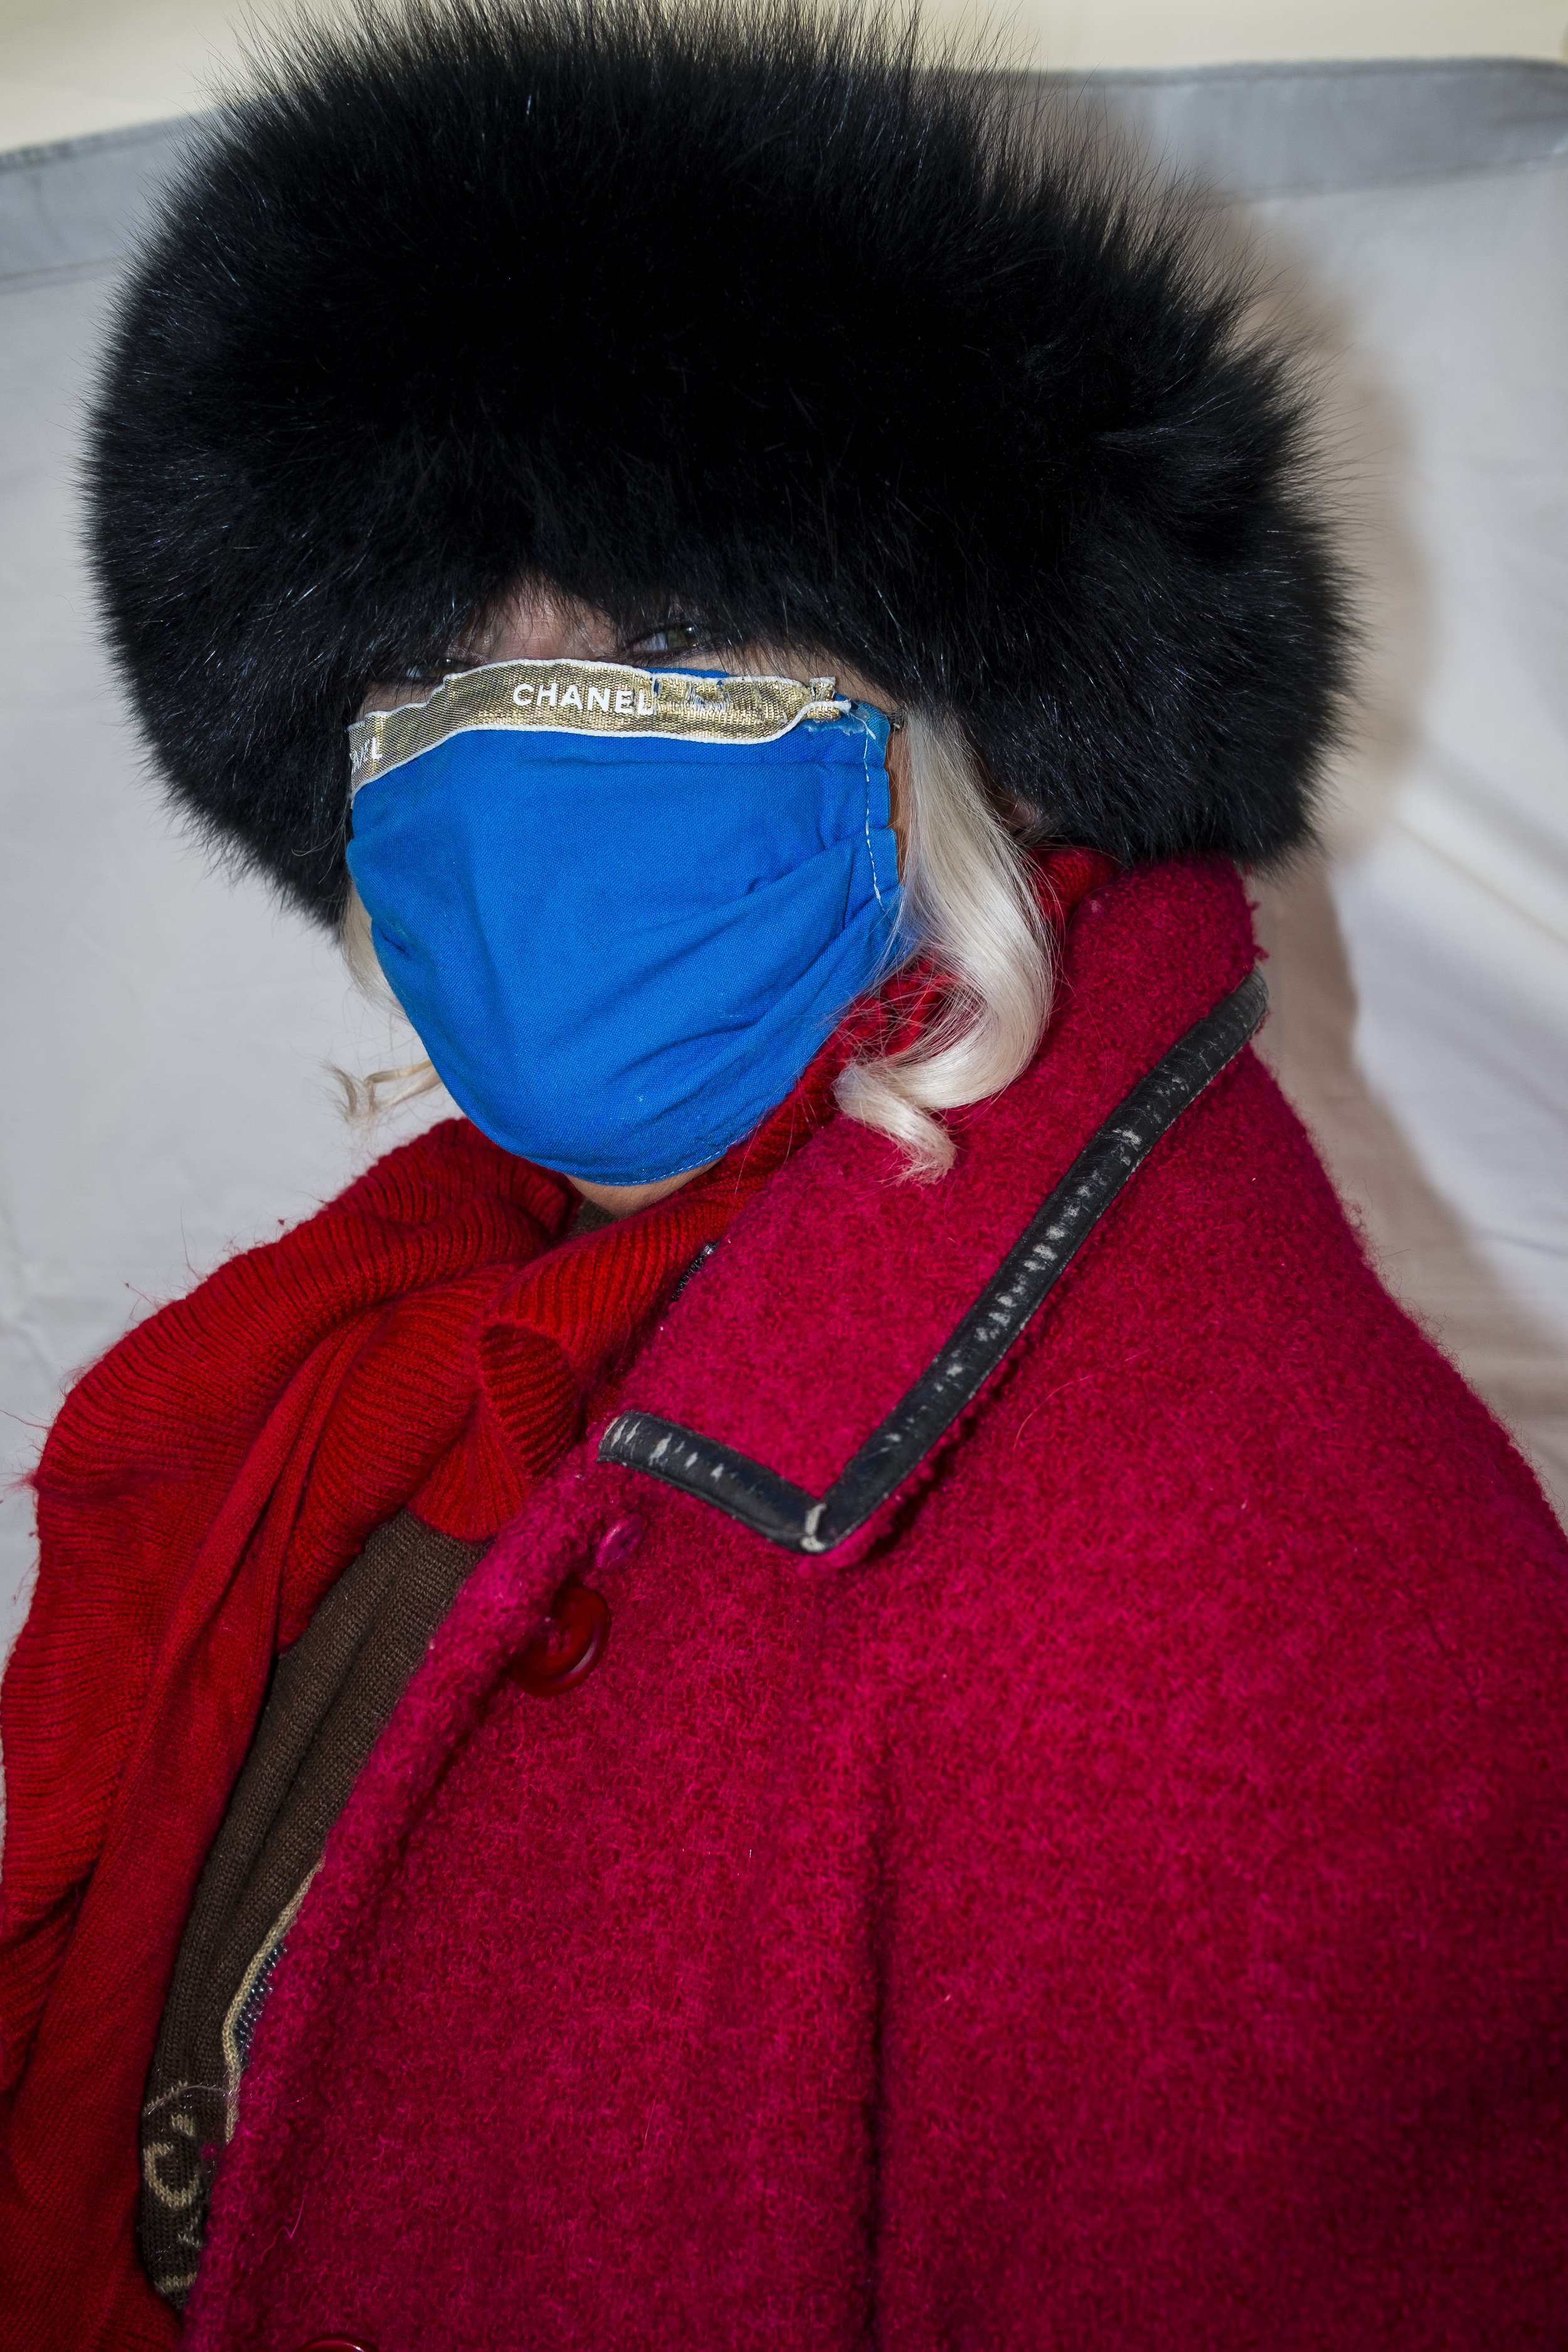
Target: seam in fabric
[870,845]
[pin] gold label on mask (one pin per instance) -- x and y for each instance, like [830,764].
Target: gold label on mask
[588,698]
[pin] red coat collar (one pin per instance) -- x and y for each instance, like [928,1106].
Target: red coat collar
[881,1269]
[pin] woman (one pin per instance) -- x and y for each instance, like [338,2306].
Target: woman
[833,1674]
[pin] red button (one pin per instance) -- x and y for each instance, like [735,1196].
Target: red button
[620,1541]
[574,1639]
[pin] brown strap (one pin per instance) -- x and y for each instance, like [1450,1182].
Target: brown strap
[330,1696]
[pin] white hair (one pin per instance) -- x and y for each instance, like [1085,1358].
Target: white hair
[970,909]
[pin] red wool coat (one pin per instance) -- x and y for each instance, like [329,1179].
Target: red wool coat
[1117,1899]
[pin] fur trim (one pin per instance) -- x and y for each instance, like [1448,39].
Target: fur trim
[714,309]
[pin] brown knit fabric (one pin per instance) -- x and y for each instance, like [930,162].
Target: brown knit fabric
[330,1696]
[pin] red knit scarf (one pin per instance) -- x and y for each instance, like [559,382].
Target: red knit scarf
[428,1340]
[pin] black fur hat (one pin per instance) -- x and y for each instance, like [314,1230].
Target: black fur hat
[707,310]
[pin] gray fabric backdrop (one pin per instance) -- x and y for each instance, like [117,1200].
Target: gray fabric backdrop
[167,1038]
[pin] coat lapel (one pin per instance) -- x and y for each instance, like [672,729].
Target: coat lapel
[852,1317]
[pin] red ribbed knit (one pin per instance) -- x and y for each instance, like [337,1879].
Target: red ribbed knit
[428,1340]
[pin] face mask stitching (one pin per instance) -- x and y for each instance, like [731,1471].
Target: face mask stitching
[870,846]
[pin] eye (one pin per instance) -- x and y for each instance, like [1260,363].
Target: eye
[431,673]
[673,638]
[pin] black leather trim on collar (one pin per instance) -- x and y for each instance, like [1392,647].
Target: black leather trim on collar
[786,1514]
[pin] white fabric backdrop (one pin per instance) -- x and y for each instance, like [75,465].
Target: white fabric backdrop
[166,1035]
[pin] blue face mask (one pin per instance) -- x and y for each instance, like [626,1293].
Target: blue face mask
[623,907]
